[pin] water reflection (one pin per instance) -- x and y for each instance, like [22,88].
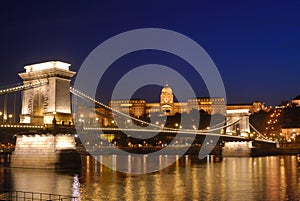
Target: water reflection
[265,178]
[262,178]
[47,181]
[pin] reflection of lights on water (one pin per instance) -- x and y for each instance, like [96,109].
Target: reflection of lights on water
[75,186]
[129,163]
[114,162]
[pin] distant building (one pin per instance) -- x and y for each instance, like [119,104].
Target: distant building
[93,116]
[136,108]
[296,100]
[209,105]
[139,108]
[168,107]
[252,107]
[290,134]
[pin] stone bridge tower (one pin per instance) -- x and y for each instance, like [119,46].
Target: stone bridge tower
[50,100]
[243,127]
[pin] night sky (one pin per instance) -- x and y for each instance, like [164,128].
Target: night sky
[254,44]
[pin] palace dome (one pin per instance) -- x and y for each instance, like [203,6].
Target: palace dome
[167,89]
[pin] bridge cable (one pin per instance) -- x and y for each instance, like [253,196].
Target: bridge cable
[22,87]
[82,95]
[259,134]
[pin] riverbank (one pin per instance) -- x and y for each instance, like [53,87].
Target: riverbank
[175,150]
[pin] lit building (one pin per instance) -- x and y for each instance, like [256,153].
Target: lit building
[252,107]
[167,106]
[93,116]
[296,100]
[290,134]
[209,105]
[136,108]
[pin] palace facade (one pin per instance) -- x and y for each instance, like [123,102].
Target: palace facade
[168,107]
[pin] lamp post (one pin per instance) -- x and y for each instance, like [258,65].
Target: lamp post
[81,120]
[54,120]
[10,117]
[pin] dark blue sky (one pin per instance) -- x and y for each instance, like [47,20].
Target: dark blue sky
[254,44]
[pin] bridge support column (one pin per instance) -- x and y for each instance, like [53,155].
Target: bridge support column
[5,109]
[45,151]
[242,128]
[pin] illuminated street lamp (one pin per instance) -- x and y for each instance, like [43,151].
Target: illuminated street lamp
[112,123]
[10,117]
[96,120]
[54,119]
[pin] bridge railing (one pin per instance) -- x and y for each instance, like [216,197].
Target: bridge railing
[31,196]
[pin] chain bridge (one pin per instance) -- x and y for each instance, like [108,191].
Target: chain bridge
[46,109]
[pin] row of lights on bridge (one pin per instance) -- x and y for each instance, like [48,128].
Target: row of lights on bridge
[10,116]
[19,126]
[129,121]
[21,87]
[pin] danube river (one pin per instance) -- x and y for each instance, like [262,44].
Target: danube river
[245,178]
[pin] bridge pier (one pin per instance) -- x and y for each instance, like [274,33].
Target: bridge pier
[250,148]
[45,151]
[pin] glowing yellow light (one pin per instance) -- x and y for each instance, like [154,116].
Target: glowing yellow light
[237,111]
[47,65]
[126,105]
[65,142]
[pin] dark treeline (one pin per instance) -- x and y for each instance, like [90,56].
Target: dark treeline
[194,120]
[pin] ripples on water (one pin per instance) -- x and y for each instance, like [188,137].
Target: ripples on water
[246,178]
